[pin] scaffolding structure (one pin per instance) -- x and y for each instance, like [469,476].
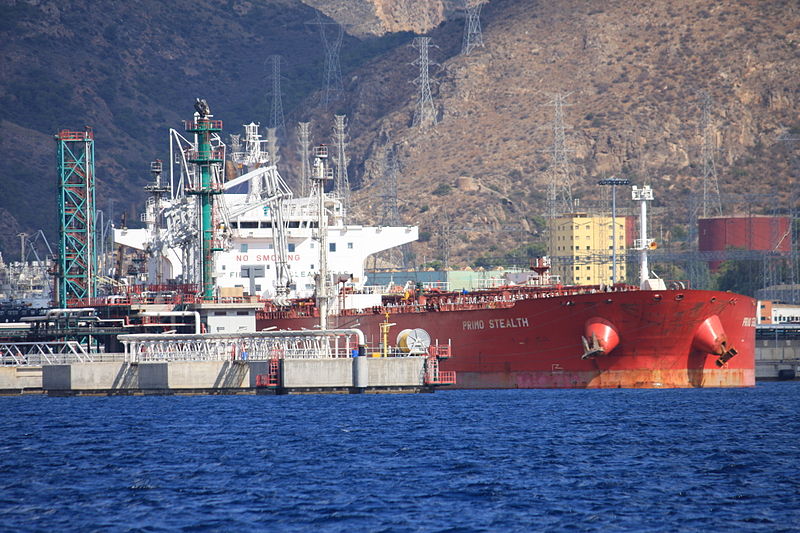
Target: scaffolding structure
[77,262]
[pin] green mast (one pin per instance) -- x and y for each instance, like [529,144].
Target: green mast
[205,157]
[77,261]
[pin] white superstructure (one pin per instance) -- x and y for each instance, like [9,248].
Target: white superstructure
[246,225]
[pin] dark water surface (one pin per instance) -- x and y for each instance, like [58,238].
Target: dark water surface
[635,460]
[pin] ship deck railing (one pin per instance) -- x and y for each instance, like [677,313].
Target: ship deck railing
[500,298]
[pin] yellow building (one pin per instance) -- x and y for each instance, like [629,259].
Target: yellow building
[581,248]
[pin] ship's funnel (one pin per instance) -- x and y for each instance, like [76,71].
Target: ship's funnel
[601,337]
[710,338]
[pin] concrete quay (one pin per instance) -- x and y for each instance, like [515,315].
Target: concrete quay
[777,359]
[290,376]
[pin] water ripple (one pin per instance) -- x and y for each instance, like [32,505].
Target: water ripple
[459,461]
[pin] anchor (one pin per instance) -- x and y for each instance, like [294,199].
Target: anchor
[726,356]
[592,350]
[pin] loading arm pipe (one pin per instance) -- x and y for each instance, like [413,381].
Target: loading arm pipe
[195,314]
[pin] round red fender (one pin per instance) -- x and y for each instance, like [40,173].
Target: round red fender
[710,336]
[604,331]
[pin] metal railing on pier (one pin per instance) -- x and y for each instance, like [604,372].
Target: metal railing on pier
[43,353]
[260,346]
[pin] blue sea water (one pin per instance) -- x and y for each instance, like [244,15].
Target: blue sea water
[521,460]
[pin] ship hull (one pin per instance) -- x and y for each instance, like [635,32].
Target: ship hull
[537,342]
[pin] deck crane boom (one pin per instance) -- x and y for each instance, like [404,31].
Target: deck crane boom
[267,188]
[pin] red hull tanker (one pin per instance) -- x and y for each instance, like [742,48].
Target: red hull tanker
[576,337]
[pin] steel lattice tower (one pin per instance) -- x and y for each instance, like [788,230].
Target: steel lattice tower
[445,232]
[276,116]
[304,151]
[794,218]
[272,146]
[390,215]
[332,44]
[342,183]
[710,182]
[77,262]
[560,184]
[425,114]
[473,38]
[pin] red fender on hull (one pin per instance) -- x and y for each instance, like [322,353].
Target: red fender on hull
[710,336]
[601,337]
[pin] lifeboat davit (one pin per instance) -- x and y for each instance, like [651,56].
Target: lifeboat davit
[710,337]
[600,337]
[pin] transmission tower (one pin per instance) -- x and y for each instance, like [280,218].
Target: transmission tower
[559,190]
[473,37]
[304,151]
[445,232]
[711,199]
[425,114]
[276,117]
[390,215]
[272,146]
[794,220]
[332,44]
[342,181]
[236,143]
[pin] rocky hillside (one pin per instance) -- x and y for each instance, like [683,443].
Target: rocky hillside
[132,73]
[632,71]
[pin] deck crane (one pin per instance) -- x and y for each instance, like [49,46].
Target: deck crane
[267,188]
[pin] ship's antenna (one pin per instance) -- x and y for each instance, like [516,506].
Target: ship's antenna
[643,244]
[473,37]
[304,151]
[711,196]
[155,218]
[425,114]
[332,44]
[342,181]
[276,117]
[321,175]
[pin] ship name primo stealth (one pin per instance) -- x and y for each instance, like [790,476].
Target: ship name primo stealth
[299,257]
